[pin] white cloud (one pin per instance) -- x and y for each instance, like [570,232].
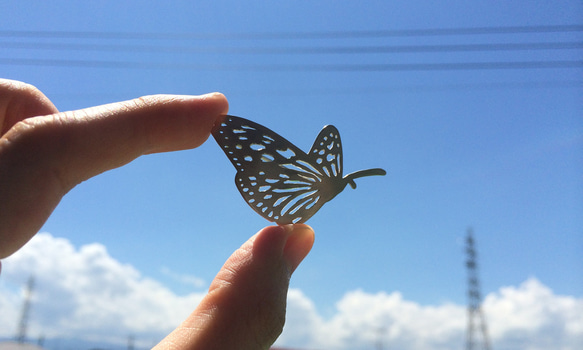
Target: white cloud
[364,320]
[534,317]
[86,293]
[529,317]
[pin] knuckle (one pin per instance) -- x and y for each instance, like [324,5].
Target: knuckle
[35,143]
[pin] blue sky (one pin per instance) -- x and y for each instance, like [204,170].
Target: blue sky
[493,148]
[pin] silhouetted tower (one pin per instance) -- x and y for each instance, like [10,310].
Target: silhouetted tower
[23,324]
[381,331]
[476,320]
[131,341]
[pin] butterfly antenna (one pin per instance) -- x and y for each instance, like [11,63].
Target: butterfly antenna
[361,173]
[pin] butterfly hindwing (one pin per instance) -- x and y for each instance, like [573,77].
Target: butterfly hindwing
[326,152]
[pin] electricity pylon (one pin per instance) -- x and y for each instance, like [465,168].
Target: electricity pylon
[23,324]
[476,319]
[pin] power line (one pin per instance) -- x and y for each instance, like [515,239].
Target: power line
[389,67]
[476,319]
[375,49]
[297,35]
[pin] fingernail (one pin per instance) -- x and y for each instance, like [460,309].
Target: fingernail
[211,94]
[298,245]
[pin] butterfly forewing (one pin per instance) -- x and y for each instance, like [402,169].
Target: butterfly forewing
[249,145]
[277,179]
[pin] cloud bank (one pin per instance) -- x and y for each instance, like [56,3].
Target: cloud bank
[86,293]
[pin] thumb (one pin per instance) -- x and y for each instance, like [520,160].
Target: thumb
[245,306]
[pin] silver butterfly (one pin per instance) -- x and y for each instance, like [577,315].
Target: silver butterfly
[278,180]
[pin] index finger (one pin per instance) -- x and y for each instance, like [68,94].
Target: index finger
[42,158]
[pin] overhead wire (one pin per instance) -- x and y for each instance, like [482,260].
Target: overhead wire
[339,50]
[390,67]
[369,49]
[297,35]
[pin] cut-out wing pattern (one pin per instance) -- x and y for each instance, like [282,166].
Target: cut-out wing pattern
[278,180]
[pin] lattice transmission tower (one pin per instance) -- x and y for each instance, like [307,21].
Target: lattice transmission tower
[23,324]
[477,331]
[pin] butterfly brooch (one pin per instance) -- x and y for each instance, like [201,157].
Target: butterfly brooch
[278,180]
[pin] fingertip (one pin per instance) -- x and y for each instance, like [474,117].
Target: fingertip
[269,243]
[178,122]
[217,99]
[292,243]
[298,245]
[219,96]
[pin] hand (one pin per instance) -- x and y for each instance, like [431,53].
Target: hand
[44,154]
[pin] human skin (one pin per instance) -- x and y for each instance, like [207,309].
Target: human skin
[45,153]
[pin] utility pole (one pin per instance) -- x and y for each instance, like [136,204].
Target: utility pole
[476,319]
[23,324]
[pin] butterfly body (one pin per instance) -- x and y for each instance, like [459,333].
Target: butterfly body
[279,181]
